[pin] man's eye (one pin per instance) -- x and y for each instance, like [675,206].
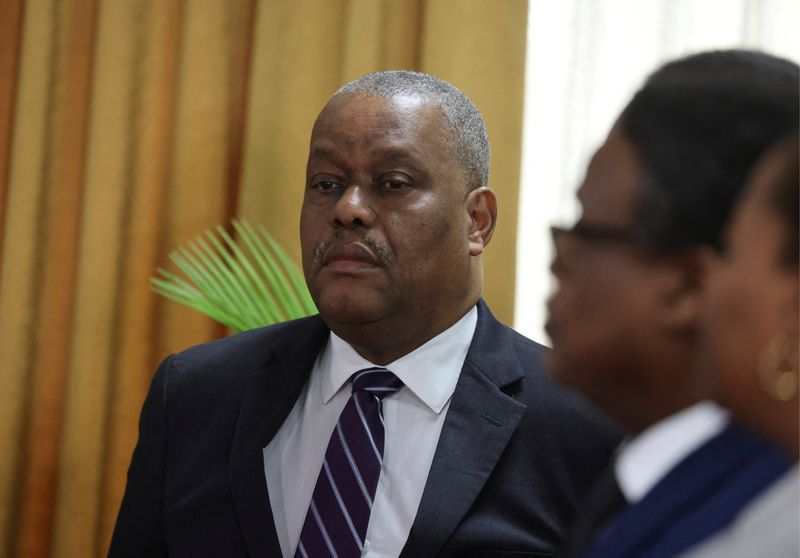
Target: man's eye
[325,185]
[395,185]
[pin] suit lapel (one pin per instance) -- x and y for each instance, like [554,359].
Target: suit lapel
[480,421]
[694,485]
[269,396]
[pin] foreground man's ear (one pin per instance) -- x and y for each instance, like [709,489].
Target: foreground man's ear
[481,205]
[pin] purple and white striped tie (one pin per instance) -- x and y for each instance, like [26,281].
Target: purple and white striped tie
[337,518]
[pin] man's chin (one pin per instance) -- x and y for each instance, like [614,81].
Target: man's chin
[349,310]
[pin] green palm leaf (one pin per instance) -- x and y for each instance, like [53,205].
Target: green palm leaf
[243,284]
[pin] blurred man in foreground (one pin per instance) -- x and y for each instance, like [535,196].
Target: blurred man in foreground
[624,321]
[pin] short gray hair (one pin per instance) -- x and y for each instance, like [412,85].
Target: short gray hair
[467,140]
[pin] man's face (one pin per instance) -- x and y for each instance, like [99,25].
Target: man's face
[599,316]
[384,225]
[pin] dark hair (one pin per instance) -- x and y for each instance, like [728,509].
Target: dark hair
[467,142]
[698,124]
[785,199]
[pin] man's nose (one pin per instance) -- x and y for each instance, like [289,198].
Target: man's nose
[353,208]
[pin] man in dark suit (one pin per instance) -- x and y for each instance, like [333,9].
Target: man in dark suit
[249,446]
[625,319]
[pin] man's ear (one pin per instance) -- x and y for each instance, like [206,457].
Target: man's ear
[683,290]
[481,206]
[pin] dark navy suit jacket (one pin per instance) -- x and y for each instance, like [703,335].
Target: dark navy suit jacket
[515,456]
[698,497]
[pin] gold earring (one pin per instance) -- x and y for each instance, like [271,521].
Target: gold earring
[778,369]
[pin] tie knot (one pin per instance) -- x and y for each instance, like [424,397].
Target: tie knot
[377,381]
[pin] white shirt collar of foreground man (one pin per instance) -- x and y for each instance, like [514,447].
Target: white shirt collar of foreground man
[414,419]
[644,460]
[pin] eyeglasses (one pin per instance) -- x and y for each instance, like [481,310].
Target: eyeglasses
[594,232]
[566,249]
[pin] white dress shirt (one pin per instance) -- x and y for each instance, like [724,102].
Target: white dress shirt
[646,459]
[413,416]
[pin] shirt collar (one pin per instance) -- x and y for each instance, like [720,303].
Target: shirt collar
[644,460]
[430,371]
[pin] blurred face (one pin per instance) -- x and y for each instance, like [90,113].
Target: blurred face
[601,315]
[752,298]
[384,224]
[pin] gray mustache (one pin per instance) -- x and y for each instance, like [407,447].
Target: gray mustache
[383,254]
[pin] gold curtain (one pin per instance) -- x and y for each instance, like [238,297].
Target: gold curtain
[128,127]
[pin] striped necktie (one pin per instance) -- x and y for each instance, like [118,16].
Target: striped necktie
[338,515]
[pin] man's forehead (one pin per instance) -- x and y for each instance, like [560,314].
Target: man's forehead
[393,128]
[329,150]
[390,109]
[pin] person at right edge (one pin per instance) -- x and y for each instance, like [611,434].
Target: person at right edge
[751,329]
[625,319]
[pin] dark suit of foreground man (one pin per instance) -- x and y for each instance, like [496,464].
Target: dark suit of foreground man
[482,453]
[626,318]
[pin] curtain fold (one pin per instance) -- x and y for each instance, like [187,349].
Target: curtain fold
[128,127]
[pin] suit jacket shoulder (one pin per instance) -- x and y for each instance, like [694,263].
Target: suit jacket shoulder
[766,527]
[700,496]
[209,412]
[231,359]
